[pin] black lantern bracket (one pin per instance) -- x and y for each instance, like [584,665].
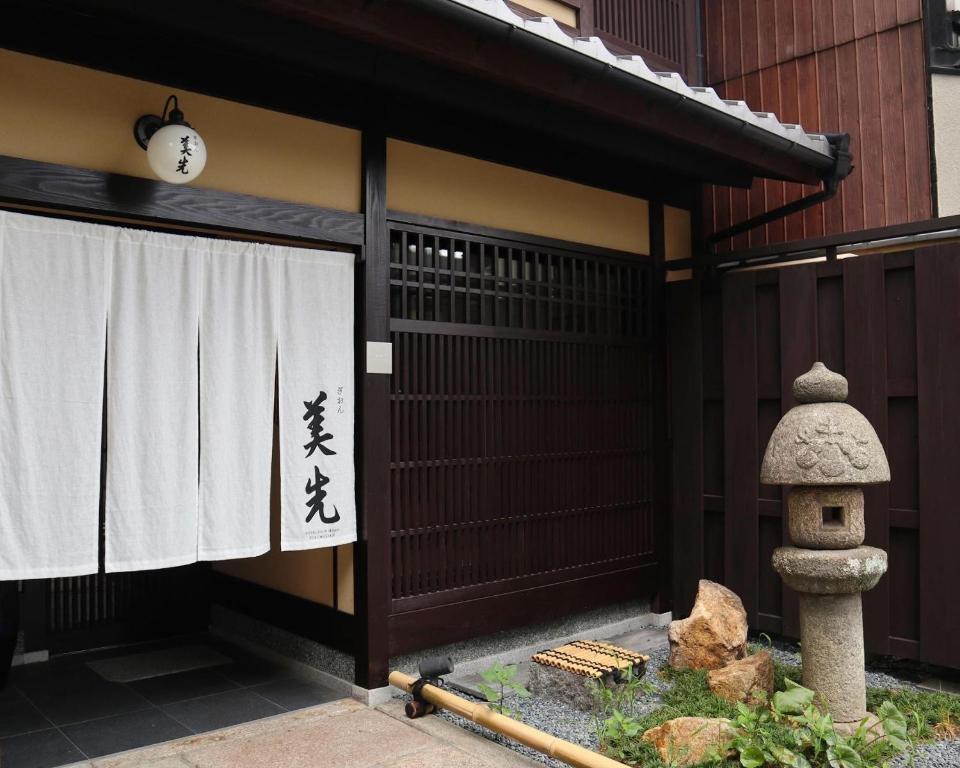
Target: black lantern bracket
[147,125]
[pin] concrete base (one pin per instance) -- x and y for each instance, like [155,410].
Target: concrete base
[831,643]
[373,697]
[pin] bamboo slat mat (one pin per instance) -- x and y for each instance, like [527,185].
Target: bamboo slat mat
[591,658]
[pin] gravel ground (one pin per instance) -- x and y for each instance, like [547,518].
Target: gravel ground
[568,723]
[937,754]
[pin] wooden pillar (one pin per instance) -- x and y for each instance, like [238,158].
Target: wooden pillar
[686,441]
[372,569]
[741,453]
[663,599]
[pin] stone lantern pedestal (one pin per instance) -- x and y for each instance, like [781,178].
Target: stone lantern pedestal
[826,450]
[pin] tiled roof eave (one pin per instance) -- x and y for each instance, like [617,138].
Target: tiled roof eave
[761,127]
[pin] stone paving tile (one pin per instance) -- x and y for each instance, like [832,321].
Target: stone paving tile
[341,734]
[281,723]
[441,756]
[354,740]
[483,752]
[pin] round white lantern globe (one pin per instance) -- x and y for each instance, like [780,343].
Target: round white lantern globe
[176,153]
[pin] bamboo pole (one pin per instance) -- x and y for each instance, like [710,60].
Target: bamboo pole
[481,714]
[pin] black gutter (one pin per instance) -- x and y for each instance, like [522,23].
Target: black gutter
[843,165]
[721,123]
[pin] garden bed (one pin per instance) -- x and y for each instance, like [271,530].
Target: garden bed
[932,718]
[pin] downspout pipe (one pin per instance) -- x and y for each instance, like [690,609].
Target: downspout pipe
[843,165]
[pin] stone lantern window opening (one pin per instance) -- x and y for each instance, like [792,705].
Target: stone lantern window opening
[835,517]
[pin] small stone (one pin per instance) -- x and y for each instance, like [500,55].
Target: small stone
[692,740]
[820,385]
[744,679]
[873,728]
[714,634]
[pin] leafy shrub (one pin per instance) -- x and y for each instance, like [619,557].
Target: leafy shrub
[793,732]
[789,731]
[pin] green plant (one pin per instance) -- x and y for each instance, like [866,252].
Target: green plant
[620,696]
[502,679]
[932,714]
[793,732]
[782,672]
[615,715]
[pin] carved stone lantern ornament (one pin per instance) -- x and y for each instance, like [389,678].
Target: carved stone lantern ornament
[826,450]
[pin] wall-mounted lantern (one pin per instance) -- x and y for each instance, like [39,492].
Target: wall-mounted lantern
[175,151]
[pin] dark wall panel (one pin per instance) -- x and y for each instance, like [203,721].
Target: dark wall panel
[891,324]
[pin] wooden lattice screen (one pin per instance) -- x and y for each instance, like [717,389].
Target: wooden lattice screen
[521,405]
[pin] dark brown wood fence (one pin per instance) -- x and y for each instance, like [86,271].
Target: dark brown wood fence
[891,324]
[522,467]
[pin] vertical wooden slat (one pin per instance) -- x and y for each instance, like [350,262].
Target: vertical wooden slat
[895,198]
[866,371]
[871,150]
[741,538]
[849,106]
[798,351]
[915,119]
[767,30]
[938,385]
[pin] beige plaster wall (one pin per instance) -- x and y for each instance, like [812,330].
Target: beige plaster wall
[565,14]
[432,182]
[946,141]
[678,240]
[66,114]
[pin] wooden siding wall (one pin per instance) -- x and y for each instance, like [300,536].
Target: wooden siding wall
[854,66]
[890,323]
[664,28]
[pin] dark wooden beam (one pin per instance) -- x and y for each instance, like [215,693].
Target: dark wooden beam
[372,568]
[449,226]
[98,194]
[418,629]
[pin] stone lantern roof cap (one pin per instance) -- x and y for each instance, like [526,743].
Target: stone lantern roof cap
[823,441]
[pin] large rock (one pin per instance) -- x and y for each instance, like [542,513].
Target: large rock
[691,740]
[744,679]
[714,634]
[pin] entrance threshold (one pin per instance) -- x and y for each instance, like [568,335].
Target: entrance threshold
[82,706]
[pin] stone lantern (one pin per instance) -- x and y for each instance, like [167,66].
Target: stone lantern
[826,450]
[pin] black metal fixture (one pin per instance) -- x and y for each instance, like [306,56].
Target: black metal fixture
[431,669]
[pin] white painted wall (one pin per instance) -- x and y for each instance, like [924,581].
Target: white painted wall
[946,129]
